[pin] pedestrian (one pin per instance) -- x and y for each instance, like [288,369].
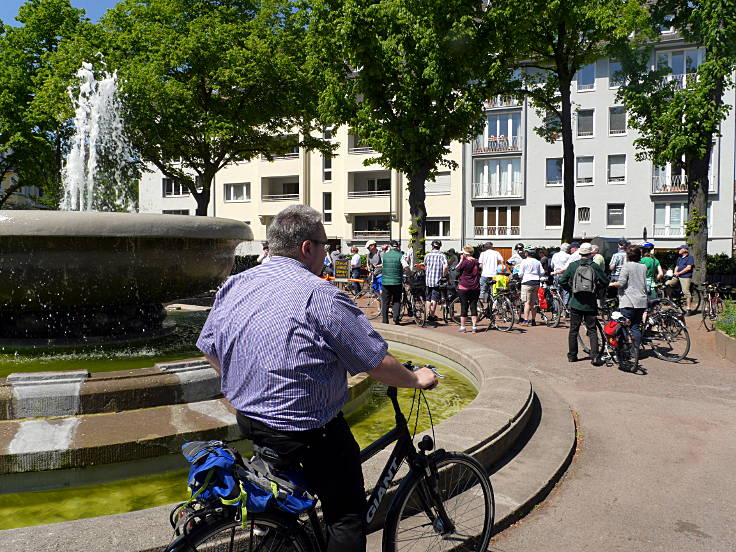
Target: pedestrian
[335,256]
[559,264]
[546,262]
[265,255]
[515,259]
[284,342]
[452,262]
[598,258]
[531,274]
[489,260]
[392,273]
[468,287]
[654,268]
[374,262]
[618,259]
[581,278]
[328,261]
[632,291]
[683,274]
[574,253]
[355,265]
[435,269]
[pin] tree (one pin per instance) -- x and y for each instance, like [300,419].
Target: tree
[554,40]
[208,83]
[409,76]
[34,106]
[678,118]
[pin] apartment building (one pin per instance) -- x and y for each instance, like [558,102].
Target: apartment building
[508,187]
[358,202]
[514,185]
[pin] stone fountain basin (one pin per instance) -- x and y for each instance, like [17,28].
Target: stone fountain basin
[62,260]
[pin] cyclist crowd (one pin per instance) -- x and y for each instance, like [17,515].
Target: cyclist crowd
[577,271]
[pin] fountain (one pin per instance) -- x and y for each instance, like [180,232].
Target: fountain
[93,277]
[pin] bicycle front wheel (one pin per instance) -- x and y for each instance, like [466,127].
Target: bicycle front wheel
[418,308]
[502,315]
[263,532]
[584,342]
[555,313]
[453,509]
[669,338]
[712,309]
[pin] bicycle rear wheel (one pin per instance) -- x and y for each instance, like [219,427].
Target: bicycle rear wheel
[555,313]
[453,311]
[584,341]
[712,309]
[369,302]
[462,495]
[502,315]
[669,338]
[628,354]
[263,532]
[418,308]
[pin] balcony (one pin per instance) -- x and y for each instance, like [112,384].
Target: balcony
[680,81]
[490,190]
[279,197]
[496,144]
[502,101]
[667,231]
[352,194]
[674,184]
[488,231]
[371,234]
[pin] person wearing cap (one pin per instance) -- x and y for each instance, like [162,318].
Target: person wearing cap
[684,274]
[489,260]
[654,268]
[583,306]
[618,259]
[373,258]
[435,267]
[392,272]
[516,258]
[574,253]
[335,256]
[531,274]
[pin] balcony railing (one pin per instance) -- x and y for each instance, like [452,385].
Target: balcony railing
[497,144]
[676,183]
[371,234]
[361,150]
[487,190]
[368,193]
[485,231]
[280,197]
[502,101]
[291,155]
[667,231]
[680,81]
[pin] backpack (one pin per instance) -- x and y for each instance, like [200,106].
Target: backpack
[611,332]
[583,281]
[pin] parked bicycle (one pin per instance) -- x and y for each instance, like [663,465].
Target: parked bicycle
[714,304]
[444,502]
[674,293]
[498,310]
[556,307]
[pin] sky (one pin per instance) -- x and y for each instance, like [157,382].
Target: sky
[94,8]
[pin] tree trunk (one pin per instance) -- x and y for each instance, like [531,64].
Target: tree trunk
[418,212]
[203,197]
[697,224]
[568,164]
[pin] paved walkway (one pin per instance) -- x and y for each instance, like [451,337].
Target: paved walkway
[657,452]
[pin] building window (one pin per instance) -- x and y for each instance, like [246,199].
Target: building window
[615,76]
[172,188]
[669,219]
[683,65]
[502,133]
[553,216]
[327,133]
[494,178]
[369,187]
[326,168]
[371,227]
[237,191]
[584,214]
[175,212]
[584,171]
[496,221]
[616,169]
[553,125]
[327,207]
[617,120]
[586,77]
[585,122]
[439,186]
[554,171]
[616,215]
[437,227]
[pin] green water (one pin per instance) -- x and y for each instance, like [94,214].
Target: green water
[368,423]
[108,358]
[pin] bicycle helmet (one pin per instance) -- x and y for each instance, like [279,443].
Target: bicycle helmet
[647,245]
[437,244]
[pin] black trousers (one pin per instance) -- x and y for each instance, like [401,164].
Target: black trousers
[391,295]
[330,459]
[468,299]
[576,319]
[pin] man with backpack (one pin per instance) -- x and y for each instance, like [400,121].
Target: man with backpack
[583,278]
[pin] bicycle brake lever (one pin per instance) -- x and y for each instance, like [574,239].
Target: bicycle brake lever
[434,370]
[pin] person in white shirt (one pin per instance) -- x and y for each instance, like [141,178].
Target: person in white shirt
[516,258]
[355,264]
[559,264]
[531,274]
[489,260]
[574,254]
[265,256]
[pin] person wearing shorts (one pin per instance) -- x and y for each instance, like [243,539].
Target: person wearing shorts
[684,274]
[531,274]
[435,266]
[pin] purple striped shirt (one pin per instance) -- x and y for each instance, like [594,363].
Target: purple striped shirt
[286,341]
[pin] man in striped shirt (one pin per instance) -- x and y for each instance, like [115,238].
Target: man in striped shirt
[435,268]
[284,342]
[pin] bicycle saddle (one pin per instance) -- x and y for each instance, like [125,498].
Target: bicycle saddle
[273,460]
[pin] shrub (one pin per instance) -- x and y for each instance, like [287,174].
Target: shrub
[244,262]
[727,321]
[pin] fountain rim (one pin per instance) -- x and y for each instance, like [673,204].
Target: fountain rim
[95,224]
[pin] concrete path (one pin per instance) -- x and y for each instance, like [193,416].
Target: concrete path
[656,456]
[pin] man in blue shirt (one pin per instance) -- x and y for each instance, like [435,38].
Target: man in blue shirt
[284,342]
[683,274]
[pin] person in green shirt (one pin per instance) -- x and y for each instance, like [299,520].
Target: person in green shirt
[654,269]
[583,305]
[392,273]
